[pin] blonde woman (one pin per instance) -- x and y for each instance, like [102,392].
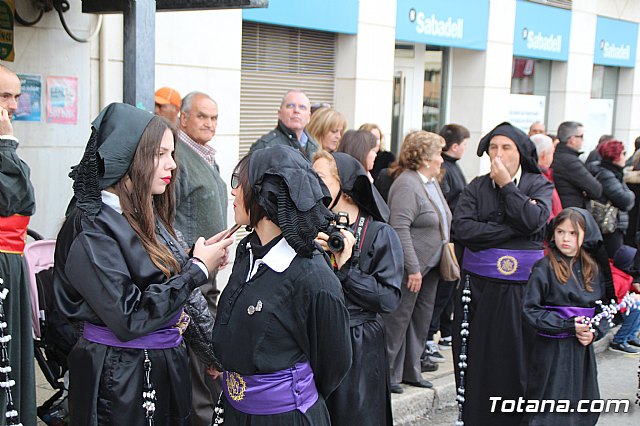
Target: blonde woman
[327,127]
[422,219]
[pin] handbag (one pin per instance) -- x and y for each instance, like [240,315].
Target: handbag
[605,215]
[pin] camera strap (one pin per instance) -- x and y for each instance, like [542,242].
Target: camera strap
[361,229]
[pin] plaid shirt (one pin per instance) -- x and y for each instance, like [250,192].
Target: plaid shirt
[205,151]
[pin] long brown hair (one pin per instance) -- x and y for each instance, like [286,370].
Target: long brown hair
[563,269]
[139,206]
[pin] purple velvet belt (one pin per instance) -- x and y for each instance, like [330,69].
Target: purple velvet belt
[167,337]
[501,264]
[273,393]
[566,312]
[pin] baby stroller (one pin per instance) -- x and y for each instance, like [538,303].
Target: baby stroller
[53,335]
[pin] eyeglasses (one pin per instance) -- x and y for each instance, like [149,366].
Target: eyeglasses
[235,181]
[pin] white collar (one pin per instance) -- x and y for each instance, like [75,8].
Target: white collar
[425,179]
[112,200]
[278,258]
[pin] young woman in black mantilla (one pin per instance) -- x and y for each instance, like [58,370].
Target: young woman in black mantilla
[282,330]
[370,269]
[120,272]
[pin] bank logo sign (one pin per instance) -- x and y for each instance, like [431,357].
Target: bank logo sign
[541,32]
[454,23]
[616,43]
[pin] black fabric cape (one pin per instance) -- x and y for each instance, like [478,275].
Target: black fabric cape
[104,275]
[17,197]
[303,317]
[370,288]
[560,368]
[491,217]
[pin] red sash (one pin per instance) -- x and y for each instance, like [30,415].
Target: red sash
[13,233]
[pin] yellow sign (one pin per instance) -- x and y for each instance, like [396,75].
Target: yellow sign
[7,8]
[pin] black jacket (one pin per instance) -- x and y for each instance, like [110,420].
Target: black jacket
[572,179]
[615,190]
[453,181]
[282,135]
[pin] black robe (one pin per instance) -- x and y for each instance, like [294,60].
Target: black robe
[17,198]
[370,289]
[303,318]
[499,340]
[103,275]
[560,368]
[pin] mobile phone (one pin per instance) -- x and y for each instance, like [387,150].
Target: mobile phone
[232,230]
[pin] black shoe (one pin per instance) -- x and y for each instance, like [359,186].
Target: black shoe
[420,384]
[634,342]
[625,348]
[395,388]
[427,365]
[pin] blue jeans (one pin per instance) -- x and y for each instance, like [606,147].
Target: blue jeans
[629,328]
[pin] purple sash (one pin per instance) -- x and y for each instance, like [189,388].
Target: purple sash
[273,393]
[165,338]
[566,312]
[501,264]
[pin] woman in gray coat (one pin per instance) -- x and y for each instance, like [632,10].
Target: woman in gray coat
[421,217]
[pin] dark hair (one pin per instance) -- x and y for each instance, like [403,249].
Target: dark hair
[561,268]
[453,133]
[255,210]
[611,150]
[139,206]
[605,138]
[567,129]
[357,143]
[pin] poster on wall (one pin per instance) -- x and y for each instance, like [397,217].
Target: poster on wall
[62,100]
[6,30]
[30,101]
[599,122]
[524,110]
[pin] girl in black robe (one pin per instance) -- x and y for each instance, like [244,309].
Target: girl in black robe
[120,273]
[562,284]
[282,330]
[370,268]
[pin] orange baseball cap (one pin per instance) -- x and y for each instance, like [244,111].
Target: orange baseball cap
[167,95]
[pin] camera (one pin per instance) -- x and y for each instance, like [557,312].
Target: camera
[336,239]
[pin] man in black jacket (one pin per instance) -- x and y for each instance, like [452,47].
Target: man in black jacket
[293,116]
[574,183]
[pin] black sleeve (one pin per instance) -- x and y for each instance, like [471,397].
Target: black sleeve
[466,227]
[198,333]
[16,192]
[528,212]
[578,176]
[379,289]
[534,302]
[329,339]
[97,270]
[617,192]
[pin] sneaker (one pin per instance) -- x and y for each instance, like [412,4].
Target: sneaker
[433,353]
[444,343]
[625,348]
[427,365]
[634,342]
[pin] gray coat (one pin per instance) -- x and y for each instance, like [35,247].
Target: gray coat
[416,220]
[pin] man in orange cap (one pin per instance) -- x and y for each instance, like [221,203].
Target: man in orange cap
[168,103]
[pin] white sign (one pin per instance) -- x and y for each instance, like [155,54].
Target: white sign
[524,110]
[599,122]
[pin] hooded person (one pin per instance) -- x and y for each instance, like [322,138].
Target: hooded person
[500,221]
[369,267]
[565,286]
[282,330]
[123,278]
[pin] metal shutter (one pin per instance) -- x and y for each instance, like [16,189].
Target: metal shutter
[274,60]
[564,4]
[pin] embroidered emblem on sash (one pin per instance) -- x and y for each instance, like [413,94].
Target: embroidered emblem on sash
[183,322]
[235,386]
[507,265]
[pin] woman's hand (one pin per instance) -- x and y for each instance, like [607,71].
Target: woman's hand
[345,254]
[211,371]
[214,252]
[583,332]
[414,282]
[322,239]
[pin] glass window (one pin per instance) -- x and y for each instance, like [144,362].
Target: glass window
[530,76]
[604,84]
[432,108]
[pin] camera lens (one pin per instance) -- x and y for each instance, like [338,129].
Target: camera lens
[336,241]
